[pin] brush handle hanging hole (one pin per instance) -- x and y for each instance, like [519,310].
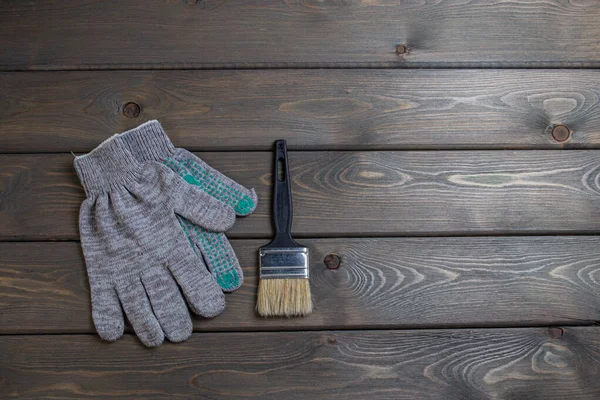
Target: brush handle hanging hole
[280,169]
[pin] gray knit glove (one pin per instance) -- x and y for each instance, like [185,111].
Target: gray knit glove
[136,254]
[149,142]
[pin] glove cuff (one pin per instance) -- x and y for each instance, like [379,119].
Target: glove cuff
[148,142]
[108,165]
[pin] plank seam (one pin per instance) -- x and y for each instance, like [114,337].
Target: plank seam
[552,147]
[591,324]
[320,65]
[408,235]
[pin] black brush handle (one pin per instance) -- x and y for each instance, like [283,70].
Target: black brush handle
[282,198]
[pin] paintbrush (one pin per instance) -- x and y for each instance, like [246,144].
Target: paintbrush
[283,289]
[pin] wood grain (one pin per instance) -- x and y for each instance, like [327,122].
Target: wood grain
[425,364]
[352,193]
[312,109]
[382,283]
[45,35]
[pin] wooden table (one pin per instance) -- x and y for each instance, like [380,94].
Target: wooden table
[445,151]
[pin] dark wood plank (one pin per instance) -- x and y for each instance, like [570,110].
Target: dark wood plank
[312,109]
[247,34]
[352,193]
[382,283]
[531,363]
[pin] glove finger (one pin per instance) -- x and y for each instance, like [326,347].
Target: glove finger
[167,303]
[217,254]
[107,313]
[202,292]
[139,312]
[192,203]
[197,172]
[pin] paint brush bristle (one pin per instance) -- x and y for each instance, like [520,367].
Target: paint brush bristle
[284,298]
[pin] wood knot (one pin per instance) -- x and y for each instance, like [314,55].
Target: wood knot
[401,49]
[332,261]
[555,333]
[131,110]
[560,133]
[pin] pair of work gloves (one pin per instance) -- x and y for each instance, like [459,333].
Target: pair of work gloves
[151,229]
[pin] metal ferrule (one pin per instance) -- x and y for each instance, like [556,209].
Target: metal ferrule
[284,263]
